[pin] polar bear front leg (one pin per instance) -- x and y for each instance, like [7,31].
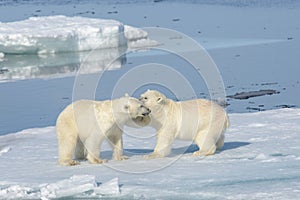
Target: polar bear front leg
[80,150]
[66,146]
[115,140]
[165,138]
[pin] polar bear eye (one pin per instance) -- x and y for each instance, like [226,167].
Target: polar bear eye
[145,98]
[126,107]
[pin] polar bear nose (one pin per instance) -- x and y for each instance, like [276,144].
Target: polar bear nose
[143,99]
[148,111]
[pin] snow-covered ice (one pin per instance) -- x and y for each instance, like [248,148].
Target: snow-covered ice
[260,160]
[53,34]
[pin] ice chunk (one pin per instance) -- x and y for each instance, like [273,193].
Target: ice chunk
[137,38]
[59,34]
[52,34]
[142,43]
[132,33]
[74,185]
[77,185]
[109,188]
[17,192]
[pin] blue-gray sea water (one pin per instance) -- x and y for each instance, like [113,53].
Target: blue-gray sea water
[238,35]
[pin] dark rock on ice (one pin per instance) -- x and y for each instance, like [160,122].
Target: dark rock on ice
[2,71]
[285,106]
[255,109]
[250,94]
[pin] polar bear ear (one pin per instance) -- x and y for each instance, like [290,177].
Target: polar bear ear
[160,100]
[126,95]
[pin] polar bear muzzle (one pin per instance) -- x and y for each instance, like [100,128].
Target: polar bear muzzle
[145,111]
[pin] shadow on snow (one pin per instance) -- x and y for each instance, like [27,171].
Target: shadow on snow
[176,151]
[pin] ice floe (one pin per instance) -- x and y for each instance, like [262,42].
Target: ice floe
[53,34]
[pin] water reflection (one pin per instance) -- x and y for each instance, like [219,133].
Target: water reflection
[29,66]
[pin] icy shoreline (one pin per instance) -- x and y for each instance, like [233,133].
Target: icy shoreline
[260,160]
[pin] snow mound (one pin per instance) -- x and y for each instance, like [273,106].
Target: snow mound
[67,187]
[52,34]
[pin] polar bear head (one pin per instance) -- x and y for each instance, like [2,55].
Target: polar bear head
[154,100]
[129,108]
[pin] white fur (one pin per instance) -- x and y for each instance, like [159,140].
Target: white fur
[83,125]
[199,120]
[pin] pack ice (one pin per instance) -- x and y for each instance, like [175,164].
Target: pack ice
[53,34]
[260,160]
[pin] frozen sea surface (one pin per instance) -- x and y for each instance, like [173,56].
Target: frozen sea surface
[260,160]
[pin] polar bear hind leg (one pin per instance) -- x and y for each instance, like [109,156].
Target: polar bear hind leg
[206,144]
[116,142]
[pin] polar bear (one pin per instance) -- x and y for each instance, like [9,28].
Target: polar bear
[199,120]
[83,125]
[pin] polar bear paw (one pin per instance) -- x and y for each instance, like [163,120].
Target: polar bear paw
[97,161]
[201,153]
[121,158]
[153,155]
[69,163]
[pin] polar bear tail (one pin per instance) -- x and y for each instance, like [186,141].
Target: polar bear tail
[227,122]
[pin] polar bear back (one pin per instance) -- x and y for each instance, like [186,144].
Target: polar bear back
[197,114]
[84,116]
